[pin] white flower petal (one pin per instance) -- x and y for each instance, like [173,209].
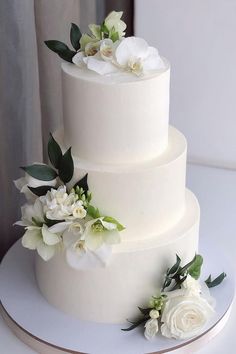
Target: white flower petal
[108,225]
[59,227]
[31,239]
[94,240]
[34,182]
[131,47]
[46,252]
[20,183]
[69,239]
[100,66]
[151,328]
[112,237]
[153,60]
[78,59]
[48,237]
[104,254]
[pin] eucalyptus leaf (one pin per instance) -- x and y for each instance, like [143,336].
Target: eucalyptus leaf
[184,269]
[195,269]
[40,172]
[93,212]
[217,281]
[61,49]
[114,221]
[75,36]
[54,152]
[39,191]
[173,270]
[83,183]
[66,167]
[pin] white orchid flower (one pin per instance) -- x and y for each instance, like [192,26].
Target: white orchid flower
[43,239]
[78,59]
[78,256]
[114,23]
[100,66]
[133,54]
[23,183]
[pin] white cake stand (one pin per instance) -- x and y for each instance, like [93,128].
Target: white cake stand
[49,331]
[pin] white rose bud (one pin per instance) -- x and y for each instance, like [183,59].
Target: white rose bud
[154,314]
[151,328]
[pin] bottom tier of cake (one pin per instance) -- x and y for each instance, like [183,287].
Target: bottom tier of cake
[111,294]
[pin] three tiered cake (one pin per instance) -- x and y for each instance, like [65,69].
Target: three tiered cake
[128,162]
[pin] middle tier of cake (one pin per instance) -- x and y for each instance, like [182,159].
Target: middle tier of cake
[148,198]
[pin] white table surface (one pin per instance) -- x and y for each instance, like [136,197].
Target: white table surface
[216,191]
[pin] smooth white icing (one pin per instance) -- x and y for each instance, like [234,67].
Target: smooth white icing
[147,198]
[112,294]
[118,118]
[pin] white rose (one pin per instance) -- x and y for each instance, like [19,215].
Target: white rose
[23,183]
[184,315]
[192,285]
[151,328]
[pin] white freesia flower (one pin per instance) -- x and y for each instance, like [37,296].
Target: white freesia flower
[106,49]
[98,232]
[133,54]
[151,328]
[91,48]
[23,183]
[31,214]
[154,313]
[114,23]
[184,315]
[192,285]
[78,256]
[42,239]
[59,205]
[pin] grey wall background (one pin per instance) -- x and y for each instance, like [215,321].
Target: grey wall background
[199,39]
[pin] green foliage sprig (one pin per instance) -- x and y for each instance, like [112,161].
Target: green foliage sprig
[62,49]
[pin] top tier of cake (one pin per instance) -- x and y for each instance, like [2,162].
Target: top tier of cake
[116,118]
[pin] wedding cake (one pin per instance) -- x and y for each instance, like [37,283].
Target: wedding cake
[130,164]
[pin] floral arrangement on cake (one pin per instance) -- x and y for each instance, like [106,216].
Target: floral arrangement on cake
[105,49]
[183,306]
[57,217]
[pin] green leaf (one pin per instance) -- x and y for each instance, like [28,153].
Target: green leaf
[93,212]
[195,269]
[184,269]
[217,281]
[83,183]
[136,324]
[173,270]
[41,172]
[66,167]
[39,191]
[114,36]
[104,28]
[75,36]
[54,152]
[114,221]
[61,49]
[144,311]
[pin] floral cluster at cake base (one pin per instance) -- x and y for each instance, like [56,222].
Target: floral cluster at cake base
[57,218]
[106,50]
[183,306]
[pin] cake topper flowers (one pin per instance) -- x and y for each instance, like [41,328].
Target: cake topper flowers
[183,305]
[105,49]
[57,217]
